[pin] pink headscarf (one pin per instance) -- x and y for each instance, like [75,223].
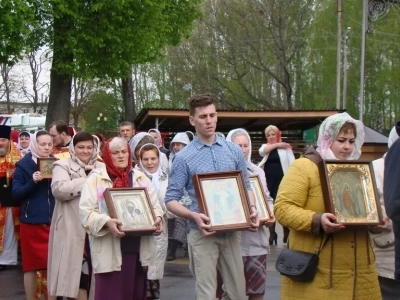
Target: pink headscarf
[33,146]
[159,138]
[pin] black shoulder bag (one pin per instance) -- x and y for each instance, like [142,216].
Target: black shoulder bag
[299,265]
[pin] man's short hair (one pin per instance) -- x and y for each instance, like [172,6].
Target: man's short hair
[126,123]
[199,101]
[61,126]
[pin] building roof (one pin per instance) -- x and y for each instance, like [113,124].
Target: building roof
[175,120]
[373,136]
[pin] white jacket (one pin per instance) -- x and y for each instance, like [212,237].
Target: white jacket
[105,248]
[286,157]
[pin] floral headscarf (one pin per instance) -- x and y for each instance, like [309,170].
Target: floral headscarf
[92,160]
[120,178]
[159,138]
[329,130]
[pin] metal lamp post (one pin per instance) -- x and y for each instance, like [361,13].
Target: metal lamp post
[101,121]
[373,10]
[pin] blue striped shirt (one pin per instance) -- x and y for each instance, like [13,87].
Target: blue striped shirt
[198,157]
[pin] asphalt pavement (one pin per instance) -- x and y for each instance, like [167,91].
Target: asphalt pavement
[177,284]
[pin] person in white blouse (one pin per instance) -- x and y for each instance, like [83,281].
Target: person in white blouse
[277,157]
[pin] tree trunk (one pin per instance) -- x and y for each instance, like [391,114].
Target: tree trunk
[60,82]
[5,71]
[76,119]
[128,98]
[9,110]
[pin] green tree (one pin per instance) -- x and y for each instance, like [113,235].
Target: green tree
[241,51]
[101,102]
[17,18]
[103,39]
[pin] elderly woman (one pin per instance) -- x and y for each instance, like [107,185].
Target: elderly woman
[69,260]
[253,244]
[177,227]
[346,268]
[120,261]
[150,164]
[37,205]
[277,157]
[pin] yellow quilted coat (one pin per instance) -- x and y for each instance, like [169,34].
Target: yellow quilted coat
[346,267]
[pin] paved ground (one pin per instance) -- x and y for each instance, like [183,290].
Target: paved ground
[177,283]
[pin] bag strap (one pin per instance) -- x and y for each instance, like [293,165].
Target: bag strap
[322,244]
[328,237]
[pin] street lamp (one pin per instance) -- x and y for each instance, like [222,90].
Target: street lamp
[101,122]
[373,10]
[99,118]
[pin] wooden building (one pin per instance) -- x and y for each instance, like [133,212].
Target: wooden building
[292,123]
[375,144]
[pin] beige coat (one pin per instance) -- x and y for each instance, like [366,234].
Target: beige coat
[67,235]
[93,213]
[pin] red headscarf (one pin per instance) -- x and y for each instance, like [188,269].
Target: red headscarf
[278,136]
[120,177]
[14,135]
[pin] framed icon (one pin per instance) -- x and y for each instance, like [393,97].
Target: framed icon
[349,191]
[45,166]
[133,208]
[261,201]
[222,196]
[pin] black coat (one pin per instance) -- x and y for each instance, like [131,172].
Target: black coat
[391,194]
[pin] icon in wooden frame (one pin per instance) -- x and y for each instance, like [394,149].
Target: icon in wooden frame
[133,208]
[261,201]
[349,191]
[222,196]
[45,166]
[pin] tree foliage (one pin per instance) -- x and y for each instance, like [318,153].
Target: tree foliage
[279,54]
[241,51]
[251,54]
[91,39]
[17,20]
[109,106]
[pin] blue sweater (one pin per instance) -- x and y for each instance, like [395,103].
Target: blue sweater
[37,200]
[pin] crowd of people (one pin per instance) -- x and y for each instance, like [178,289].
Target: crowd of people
[63,227]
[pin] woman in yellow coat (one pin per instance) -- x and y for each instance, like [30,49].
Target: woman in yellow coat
[346,268]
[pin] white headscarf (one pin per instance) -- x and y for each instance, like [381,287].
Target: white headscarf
[330,129]
[393,136]
[158,174]
[135,141]
[237,132]
[24,133]
[93,159]
[180,137]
